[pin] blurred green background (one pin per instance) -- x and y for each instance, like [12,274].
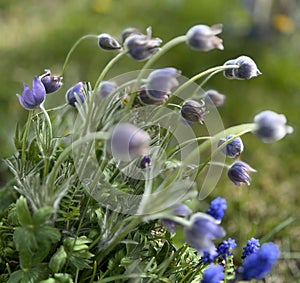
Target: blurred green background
[36,35]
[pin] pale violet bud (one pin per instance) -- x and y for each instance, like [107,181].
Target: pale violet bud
[246,70]
[233,148]
[141,47]
[146,99]
[203,37]
[214,98]
[107,42]
[193,111]
[239,173]
[106,88]
[128,142]
[270,126]
[128,32]
[161,82]
[51,82]
[75,94]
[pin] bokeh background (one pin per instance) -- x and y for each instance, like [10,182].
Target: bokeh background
[36,35]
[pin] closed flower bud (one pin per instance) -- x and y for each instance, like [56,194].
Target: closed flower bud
[145,162]
[239,173]
[213,97]
[193,111]
[246,70]
[106,88]
[107,42]
[213,273]
[32,98]
[129,31]
[161,82]
[146,99]
[140,47]
[270,126]
[128,142]
[203,37]
[232,149]
[203,230]
[76,94]
[51,82]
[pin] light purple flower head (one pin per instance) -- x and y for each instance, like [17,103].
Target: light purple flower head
[271,126]
[239,173]
[128,142]
[31,99]
[51,82]
[75,94]
[203,37]
[203,230]
[215,98]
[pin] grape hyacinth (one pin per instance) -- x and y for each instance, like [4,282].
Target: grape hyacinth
[252,246]
[217,208]
[213,274]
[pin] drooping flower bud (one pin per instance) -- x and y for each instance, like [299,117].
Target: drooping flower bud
[145,162]
[193,111]
[31,99]
[247,69]
[128,142]
[203,37]
[51,82]
[239,173]
[146,99]
[76,94]
[107,42]
[140,47]
[128,32]
[106,88]
[214,98]
[271,126]
[232,149]
[161,82]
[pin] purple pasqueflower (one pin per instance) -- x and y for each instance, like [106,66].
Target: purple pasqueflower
[270,126]
[180,210]
[161,82]
[140,47]
[252,246]
[217,208]
[128,142]
[203,37]
[145,99]
[75,94]
[213,273]
[193,111]
[233,148]
[214,98]
[145,162]
[258,265]
[107,42]
[246,70]
[51,82]
[106,88]
[239,173]
[225,248]
[31,99]
[202,231]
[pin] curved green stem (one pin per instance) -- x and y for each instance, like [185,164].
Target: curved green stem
[25,136]
[73,49]
[172,43]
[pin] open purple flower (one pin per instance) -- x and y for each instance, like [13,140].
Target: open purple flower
[239,173]
[31,99]
[213,274]
[203,230]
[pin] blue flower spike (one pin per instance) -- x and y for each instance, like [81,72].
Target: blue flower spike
[33,98]
[252,246]
[234,148]
[203,37]
[239,173]
[271,127]
[217,208]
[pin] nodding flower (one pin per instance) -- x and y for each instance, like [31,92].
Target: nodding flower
[193,111]
[213,97]
[107,42]
[51,82]
[233,148]
[75,94]
[239,173]
[32,98]
[106,88]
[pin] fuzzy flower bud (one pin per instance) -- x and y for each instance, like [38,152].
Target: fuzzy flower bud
[193,111]
[239,173]
[247,69]
[213,274]
[140,47]
[213,97]
[203,37]
[51,82]
[128,32]
[161,82]
[106,88]
[232,149]
[75,94]
[145,162]
[146,99]
[271,126]
[107,42]
[128,142]
[31,99]
[203,230]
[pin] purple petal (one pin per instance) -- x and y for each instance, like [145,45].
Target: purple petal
[38,91]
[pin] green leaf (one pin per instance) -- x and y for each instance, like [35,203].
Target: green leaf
[42,215]
[23,212]
[32,275]
[58,260]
